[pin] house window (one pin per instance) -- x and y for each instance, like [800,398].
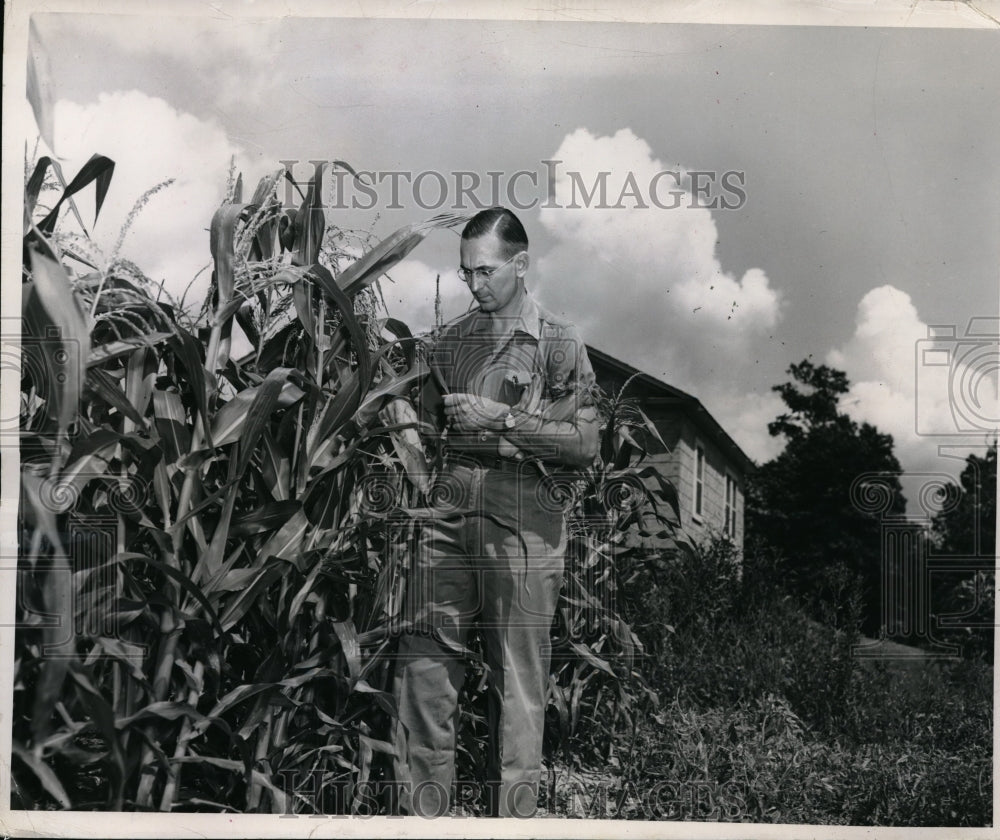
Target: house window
[730,521]
[699,479]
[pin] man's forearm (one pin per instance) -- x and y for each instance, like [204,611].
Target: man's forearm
[573,441]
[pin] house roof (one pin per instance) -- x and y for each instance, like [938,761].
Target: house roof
[669,395]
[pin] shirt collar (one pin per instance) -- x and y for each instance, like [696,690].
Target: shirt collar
[526,319]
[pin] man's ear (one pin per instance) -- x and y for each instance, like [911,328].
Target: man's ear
[521,262]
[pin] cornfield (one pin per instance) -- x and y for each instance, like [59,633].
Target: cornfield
[213,546]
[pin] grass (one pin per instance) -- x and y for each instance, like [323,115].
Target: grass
[771,719]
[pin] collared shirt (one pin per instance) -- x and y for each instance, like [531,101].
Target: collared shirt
[536,360]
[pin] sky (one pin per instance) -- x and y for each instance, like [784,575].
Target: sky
[849,183]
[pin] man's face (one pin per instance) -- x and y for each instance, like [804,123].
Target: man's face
[487,252]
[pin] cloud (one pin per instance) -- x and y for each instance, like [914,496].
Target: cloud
[192,36]
[660,250]
[150,142]
[232,58]
[922,391]
[746,419]
[410,294]
[646,284]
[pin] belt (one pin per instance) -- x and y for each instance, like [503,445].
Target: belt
[490,462]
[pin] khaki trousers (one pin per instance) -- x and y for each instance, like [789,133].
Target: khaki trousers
[497,558]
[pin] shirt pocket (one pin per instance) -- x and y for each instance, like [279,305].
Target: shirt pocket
[516,383]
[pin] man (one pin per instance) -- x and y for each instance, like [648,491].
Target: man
[512,385]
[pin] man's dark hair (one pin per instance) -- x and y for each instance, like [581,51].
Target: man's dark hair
[503,223]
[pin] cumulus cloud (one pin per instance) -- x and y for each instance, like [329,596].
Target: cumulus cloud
[923,388]
[150,142]
[746,419]
[410,292]
[645,282]
[659,249]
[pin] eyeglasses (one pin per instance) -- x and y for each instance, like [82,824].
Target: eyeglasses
[484,274]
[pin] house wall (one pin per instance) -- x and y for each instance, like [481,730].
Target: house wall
[682,437]
[717,466]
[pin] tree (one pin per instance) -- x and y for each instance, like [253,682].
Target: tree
[966,523]
[803,502]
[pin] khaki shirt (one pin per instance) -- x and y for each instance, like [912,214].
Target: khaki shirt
[538,361]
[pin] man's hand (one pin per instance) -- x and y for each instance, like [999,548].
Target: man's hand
[398,411]
[472,413]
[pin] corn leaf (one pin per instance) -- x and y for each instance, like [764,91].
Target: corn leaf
[174,574]
[397,385]
[277,794]
[267,517]
[171,425]
[348,636]
[244,317]
[390,251]
[39,87]
[100,711]
[304,591]
[98,169]
[265,401]
[246,599]
[101,384]
[558,699]
[588,656]
[345,307]
[288,540]
[222,238]
[302,298]
[55,293]
[264,239]
[130,655]
[231,419]
[57,643]
[88,459]
[188,351]
[311,221]
[210,563]
[45,774]
[34,187]
[275,467]
[162,709]
[115,349]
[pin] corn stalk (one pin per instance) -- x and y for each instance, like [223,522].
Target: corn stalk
[231,638]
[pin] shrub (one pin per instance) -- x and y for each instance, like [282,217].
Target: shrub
[773,720]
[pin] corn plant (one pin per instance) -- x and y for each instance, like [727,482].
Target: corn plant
[209,581]
[623,522]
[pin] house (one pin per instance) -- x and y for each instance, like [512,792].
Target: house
[704,463]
